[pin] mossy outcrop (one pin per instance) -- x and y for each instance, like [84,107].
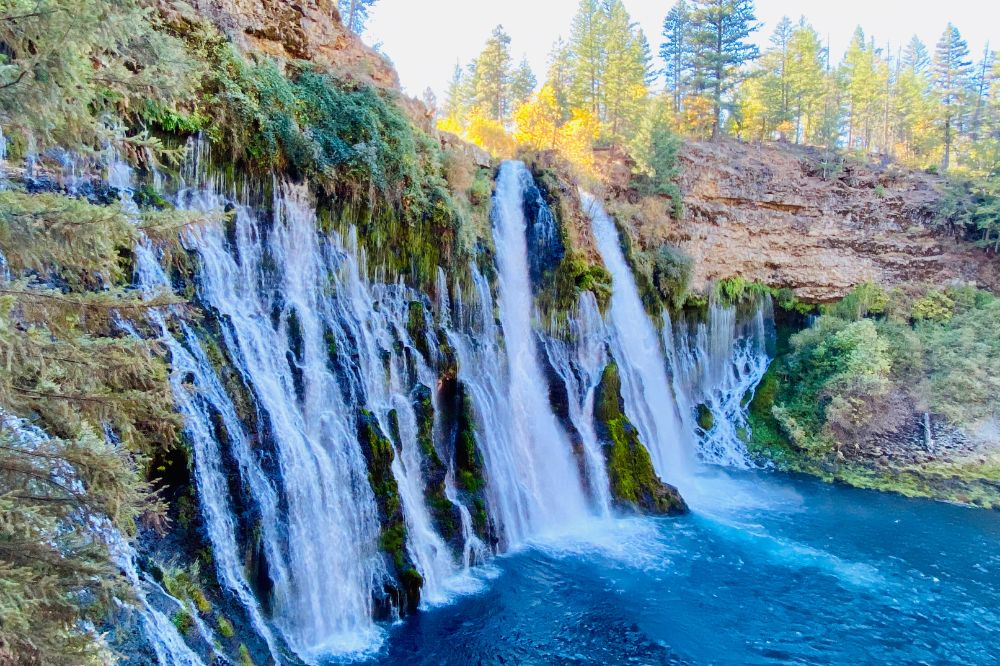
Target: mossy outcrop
[379,452]
[634,483]
[445,514]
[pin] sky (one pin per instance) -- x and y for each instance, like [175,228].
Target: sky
[425,38]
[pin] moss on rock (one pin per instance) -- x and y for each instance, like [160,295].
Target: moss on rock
[379,453]
[444,513]
[634,483]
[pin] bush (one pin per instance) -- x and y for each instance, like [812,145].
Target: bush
[673,270]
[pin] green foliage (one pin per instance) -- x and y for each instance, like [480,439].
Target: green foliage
[56,571]
[962,357]
[672,274]
[68,64]
[225,627]
[245,658]
[865,366]
[720,45]
[935,306]
[738,290]
[654,146]
[574,274]
[634,483]
[864,300]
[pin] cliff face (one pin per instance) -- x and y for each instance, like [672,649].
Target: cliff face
[766,213]
[298,30]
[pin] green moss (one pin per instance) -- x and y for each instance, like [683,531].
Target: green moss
[634,483]
[416,327]
[225,627]
[705,418]
[201,602]
[245,658]
[146,196]
[379,452]
[182,621]
[468,459]
[393,542]
[442,510]
[737,290]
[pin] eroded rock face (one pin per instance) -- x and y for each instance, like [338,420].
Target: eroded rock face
[767,213]
[300,30]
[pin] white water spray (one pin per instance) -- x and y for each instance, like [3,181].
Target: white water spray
[717,364]
[635,346]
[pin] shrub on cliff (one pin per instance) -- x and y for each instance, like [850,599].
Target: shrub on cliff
[875,357]
[68,68]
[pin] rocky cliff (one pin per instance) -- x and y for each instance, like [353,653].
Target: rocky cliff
[770,214]
[296,30]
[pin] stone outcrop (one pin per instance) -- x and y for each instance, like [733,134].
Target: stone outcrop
[299,30]
[768,214]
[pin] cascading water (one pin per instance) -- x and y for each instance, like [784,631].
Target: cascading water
[635,346]
[268,292]
[377,323]
[163,638]
[198,394]
[579,361]
[716,366]
[534,485]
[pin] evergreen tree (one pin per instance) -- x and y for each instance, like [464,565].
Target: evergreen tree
[914,109]
[522,84]
[951,71]
[66,65]
[625,74]
[915,56]
[493,77]
[721,48]
[980,89]
[675,51]
[559,75]
[588,56]
[865,77]
[781,39]
[354,13]
[807,80]
[454,105]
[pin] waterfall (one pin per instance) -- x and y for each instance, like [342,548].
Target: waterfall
[377,321]
[534,485]
[161,634]
[268,290]
[717,364]
[635,346]
[579,361]
[167,643]
[199,396]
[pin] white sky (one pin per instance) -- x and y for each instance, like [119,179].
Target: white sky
[425,38]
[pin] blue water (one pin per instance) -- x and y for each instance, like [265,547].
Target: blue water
[768,569]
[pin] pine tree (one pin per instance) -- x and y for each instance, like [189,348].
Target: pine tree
[66,65]
[806,80]
[675,51]
[721,47]
[354,13]
[522,84]
[781,39]
[914,108]
[624,80]
[865,77]
[588,56]
[980,89]
[915,56]
[493,77]
[951,71]
[560,75]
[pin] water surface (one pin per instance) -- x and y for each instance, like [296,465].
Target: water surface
[767,569]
